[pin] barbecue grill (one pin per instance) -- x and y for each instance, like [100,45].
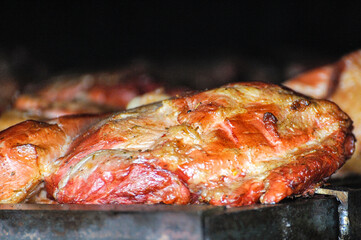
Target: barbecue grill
[128,30]
[333,213]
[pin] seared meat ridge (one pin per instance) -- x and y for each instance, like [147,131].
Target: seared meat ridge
[235,145]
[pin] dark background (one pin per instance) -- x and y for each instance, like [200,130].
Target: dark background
[93,35]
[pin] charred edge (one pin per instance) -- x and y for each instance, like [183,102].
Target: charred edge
[269,118]
[300,104]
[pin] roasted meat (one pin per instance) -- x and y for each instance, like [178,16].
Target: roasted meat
[85,93]
[236,145]
[341,83]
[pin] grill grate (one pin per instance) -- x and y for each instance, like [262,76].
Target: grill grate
[301,218]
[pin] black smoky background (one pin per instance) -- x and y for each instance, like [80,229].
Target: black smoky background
[200,44]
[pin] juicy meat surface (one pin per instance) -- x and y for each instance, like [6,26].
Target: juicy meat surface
[236,145]
[341,83]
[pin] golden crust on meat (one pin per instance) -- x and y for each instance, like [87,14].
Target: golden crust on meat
[236,145]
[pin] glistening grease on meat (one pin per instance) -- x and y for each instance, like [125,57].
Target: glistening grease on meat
[236,145]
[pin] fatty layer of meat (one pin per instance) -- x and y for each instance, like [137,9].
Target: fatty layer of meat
[236,145]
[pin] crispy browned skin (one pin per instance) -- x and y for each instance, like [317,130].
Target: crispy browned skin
[341,83]
[235,145]
[28,152]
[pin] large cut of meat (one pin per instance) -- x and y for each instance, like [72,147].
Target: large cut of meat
[98,92]
[87,93]
[339,82]
[236,145]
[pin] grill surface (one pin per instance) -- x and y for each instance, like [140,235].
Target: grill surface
[318,217]
[296,219]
